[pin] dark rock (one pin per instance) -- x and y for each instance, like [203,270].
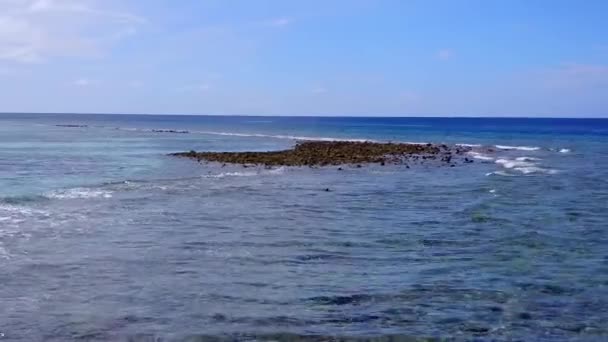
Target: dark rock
[524,315]
[325,153]
[169,131]
[72,126]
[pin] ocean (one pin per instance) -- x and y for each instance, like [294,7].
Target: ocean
[104,237]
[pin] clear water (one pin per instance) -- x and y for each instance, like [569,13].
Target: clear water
[104,237]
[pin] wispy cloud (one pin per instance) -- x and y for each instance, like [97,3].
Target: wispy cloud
[445,54]
[84,82]
[279,22]
[33,31]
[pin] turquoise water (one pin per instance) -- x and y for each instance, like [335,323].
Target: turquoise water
[105,237]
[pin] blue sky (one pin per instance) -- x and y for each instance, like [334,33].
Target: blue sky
[306,57]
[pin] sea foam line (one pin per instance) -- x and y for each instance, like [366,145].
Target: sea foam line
[523,165]
[519,148]
[281,136]
[76,193]
[276,171]
[245,135]
[480,156]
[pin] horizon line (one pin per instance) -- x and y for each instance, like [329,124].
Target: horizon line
[322,116]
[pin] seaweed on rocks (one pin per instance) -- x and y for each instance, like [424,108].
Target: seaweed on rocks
[324,153]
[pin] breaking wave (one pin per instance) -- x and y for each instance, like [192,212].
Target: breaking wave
[276,171]
[245,135]
[480,156]
[280,136]
[79,193]
[523,165]
[231,174]
[519,148]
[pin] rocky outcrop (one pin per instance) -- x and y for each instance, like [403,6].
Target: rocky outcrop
[72,126]
[324,153]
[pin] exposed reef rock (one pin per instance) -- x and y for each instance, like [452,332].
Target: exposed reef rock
[72,126]
[324,153]
[169,131]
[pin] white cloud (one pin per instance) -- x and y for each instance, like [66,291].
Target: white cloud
[279,22]
[37,30]
[445,54]
[84,82]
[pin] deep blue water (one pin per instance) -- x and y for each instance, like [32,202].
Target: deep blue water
[105,237]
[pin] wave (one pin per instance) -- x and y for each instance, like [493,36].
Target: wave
[524,165]
[535,169]
[519,148]
[510,164]
[276,171]
[525,159]
[280,136]
[245,135]
[500,173]
[19,210]
[318,138]
[15,200]
[79,193]
[231,174]
[480,156]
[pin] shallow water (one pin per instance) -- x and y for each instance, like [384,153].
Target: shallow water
[104,237]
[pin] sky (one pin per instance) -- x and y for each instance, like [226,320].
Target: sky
[536,58]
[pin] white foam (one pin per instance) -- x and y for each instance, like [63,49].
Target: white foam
[524,165]
[415,143]
[564,150]
[527,159]
[510,164]
[492,191]
[259,172]
[231,174]
[23,211]
[79,193]
[519,148]
[277,171]
[480,156]
[535,169]
[4,254]
[500,173]
[469,145]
